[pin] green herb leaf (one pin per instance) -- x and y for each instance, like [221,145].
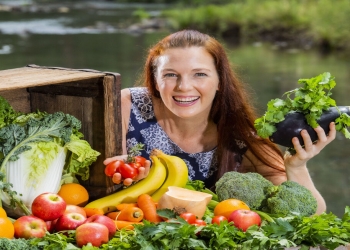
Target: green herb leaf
[311,99]
[134,151]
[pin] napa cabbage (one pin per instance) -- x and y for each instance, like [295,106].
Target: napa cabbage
[39,140]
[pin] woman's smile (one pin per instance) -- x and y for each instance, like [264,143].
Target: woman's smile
[185,101]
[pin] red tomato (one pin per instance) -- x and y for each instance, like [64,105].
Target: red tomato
[199,222]
[139,161]
[218,219]
[128,171]
[131,164]
[112,167]
[189,217]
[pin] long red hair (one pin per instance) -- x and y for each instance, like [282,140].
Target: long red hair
[231,110]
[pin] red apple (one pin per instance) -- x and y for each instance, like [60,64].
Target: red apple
[48,206]
[243,218]
[29,226]
[50,224]
[95,233]
[69,221]
[105,220]
[76,209]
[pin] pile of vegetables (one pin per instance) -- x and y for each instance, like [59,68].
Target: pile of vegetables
[38,140]
[35,143]
[142,225]
[178,232]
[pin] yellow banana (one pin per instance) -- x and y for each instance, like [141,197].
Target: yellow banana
[177,172]
[149,185]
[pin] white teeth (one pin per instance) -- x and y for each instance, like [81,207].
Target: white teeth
[185,99]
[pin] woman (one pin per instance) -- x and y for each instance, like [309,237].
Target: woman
[194,106]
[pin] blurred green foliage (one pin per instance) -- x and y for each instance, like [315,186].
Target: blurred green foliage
[180,2]
[177,2]
[323,23]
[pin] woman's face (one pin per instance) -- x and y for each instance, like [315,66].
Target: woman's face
[187,81]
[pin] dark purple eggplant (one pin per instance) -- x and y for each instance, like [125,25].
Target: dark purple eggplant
[295,122]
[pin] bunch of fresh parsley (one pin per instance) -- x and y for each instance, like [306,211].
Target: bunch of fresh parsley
[312,99]
[325,230]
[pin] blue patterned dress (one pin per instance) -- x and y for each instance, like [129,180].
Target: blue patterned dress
[144,128]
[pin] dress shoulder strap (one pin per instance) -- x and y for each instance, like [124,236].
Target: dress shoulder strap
[141,103]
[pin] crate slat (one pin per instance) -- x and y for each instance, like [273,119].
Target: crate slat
[30,77]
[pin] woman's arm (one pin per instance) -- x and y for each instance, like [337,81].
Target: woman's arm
[126,109]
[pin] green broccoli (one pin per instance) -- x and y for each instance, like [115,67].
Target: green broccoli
[290,198]
[247,187]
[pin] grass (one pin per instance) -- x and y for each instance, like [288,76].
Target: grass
[321,23]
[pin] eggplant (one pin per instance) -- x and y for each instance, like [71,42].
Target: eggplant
[295,122]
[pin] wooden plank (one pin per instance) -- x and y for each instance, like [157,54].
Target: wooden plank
[112,120]
[86,88]
[112,107]
[32,77]
[96,184]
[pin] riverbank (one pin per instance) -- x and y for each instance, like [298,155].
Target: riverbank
[321,24]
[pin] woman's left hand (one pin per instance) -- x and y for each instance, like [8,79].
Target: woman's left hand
[117,177]
[143,173]
[310,149]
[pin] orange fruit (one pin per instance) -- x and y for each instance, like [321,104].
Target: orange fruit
[7,229]
[74,194]
[226,207]
[3,213]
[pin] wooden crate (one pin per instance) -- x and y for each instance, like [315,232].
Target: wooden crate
[91,96]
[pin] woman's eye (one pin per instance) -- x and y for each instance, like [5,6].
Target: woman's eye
[170,75]
[201,74]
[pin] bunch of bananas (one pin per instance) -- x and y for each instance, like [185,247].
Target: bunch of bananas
[166,170]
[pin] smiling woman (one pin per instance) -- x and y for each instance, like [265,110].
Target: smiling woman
[194,106]
[267,68]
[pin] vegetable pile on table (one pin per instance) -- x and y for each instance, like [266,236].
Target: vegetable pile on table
[142,225]
[165,210]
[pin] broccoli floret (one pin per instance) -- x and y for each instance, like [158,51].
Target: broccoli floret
[247,187]
[290,198]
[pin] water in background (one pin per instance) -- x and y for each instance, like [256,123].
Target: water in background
[103,38]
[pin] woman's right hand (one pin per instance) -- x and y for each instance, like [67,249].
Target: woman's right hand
[117,177]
